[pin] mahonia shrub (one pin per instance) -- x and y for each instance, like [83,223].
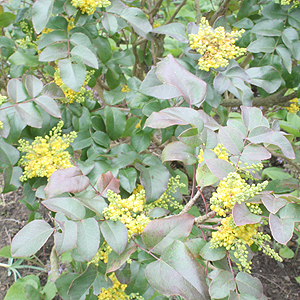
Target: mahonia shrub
[116,116]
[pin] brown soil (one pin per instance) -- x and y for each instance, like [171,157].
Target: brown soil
[278,279]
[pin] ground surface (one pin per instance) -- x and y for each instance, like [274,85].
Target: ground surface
[278,279]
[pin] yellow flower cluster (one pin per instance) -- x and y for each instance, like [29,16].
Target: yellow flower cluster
[293,108]
[287,2]
[219,150]
[1,125]
[27,41]
[89,6]
[156,24]
[125,88]
[233,189]
[46,155]
[2,99]
[117,291]
[70,95]
[215,45]
[102,254]
[132,211]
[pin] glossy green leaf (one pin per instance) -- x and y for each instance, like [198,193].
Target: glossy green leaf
[275,173]
[128,177]
[104,50]
[88,57]
[6,19]
[294,18]
[88,238]
[9,155]
[49,105]
[263,44]
[269,28]
[33,85]
[16,90]
[290,36]
[281,229]
[178,263]
[211,254]
[115,122]
[191,87]
[63,284]
[154,180]
[20,58]
[29,114]
[221,285]
[290,211]
[204,176]
[175,30]
[140,142]
[79,38]
[65,240]
[242,215]
[190,137]
[283,143]
[31,238]
[161,233]
[115,234]
[54,52]
[272,203]
[71,207]
[244,23]
[249,285]
[195,245]
[101,139]
[219,167]
[72,73]
[83,140]
[52,37]
[69,180]
[110,23]
[53,91]
[180,152]
[41,12]
[286,57]
[82,283]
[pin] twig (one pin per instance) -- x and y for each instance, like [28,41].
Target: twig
[294,164]
[189,205]
[176,12]
[198,12]
[54,264]
[201,219]
[220,12]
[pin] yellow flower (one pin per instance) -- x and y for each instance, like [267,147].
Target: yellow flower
[125,88]
[1,125]
[89,6]
[46,155]
[215,45]
[293,108]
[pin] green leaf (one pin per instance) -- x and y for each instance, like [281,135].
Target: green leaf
[11,179]
[234,296]
[9,155]
[72,73]
[20,58]
[65,240]
[5,252]
[41,12]
[269,28]
[249,285]
[16,90]
[161,233]
[53,91]
[115,234]
[128,178]
[101,139]
[174,30]
[6,19]
[115,261]
[178,263]
[49,105]
[82,283]
[31,238]
[219,167]
[138,21]
[290,211]
[231,139]
[71,207]
[221,285]
[255,153]
[88,57]
[83,140]
[281,229]
[272,203]
[29,114]
[242,215]
[104,49]
[294,18]
[204,176]
[110,23]
[290,36]
[175,116]
[154,180]
[33,85]
[63,284]
[265,77]
[69,180]
[263,44]
[32,293]
[252,117]
[244,23]
[52,37]
[221,83]
[286,57]
[212,254]
[140,142]
[88,238]
[274,11]
[190,137]
[195,245]
[54,52]
[286,252]
[283,143]
[79,38]
[115,122]
[275,173]
[260,134]
[191,87]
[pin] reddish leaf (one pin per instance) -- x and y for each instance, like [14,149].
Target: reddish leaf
[69,180]
[108,182]
[219,167]
[271,203]
[242,215]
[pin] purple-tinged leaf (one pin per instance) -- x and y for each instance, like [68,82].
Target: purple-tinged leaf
[272,203]
[174,30]
[221,285]
[242,215]
[281,229]
[289,197]
[69,180]
[115,234]
[41,12]
[175,116]
[108,182]
[186,276]
[33,85]
[260,134]
[180,152]
[239,126]
[70,207]
[29,114]
[255,153]
[211,254]
[209,122]
[48,105]
[115,260]
[16,90]
[53,91]
[248,284]
[231,139]
[195,245]
[204,176]
[283,143]
[221,83]
[65,240]
[191,87]
[219,167]
[158,212]
[31,238]
[253,117]
[88,238]
[160,233]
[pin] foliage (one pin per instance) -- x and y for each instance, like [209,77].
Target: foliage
[98,98]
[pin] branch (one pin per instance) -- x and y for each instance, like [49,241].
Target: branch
[176,12]
[275,99]
[189,205]
[220,12]
[202,219]
[154,10]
